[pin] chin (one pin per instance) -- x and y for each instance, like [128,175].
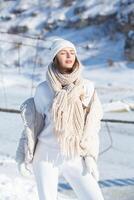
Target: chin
[68,66]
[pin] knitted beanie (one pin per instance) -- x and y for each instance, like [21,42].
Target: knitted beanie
[58,45]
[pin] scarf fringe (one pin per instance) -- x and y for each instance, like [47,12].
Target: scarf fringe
[67,110]
[70,146]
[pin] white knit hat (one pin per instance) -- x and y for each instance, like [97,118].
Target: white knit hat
[59,44]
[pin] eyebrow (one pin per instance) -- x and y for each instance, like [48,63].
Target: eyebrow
[69,50]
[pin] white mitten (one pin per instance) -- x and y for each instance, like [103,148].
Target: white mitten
[92,167]
[24,170]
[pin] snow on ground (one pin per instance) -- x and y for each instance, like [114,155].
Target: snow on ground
[115,163]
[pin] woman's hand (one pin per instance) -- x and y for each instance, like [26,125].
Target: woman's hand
[23,169]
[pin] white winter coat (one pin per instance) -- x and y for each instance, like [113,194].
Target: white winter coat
[35,111]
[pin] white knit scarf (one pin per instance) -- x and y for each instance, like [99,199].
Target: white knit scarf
[67,110]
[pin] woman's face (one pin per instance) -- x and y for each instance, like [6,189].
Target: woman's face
[66,59]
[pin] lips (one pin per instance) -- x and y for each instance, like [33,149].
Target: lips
[68,61]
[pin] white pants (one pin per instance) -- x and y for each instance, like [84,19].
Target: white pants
[48,164]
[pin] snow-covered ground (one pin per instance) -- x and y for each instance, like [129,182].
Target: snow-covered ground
[115,163]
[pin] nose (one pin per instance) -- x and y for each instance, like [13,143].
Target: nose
[68,55]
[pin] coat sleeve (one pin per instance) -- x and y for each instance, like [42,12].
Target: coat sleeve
[39,98]
[20,152]
[28,121]
[90,139]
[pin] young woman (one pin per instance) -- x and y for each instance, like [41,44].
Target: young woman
[67,144]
